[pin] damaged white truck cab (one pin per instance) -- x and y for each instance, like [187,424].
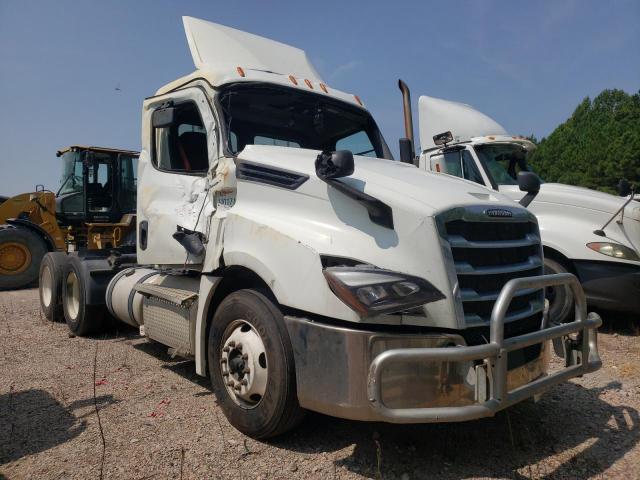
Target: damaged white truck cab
[281,247]
[592,234]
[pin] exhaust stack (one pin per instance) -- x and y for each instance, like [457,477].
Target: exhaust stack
[407,150]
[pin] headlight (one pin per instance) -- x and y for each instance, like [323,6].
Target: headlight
[373,291]
[614,250]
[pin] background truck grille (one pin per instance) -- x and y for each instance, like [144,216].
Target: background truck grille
[487,253]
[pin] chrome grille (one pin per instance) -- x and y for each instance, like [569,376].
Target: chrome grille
[487,253]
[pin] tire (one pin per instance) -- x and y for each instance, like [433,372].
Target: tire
[21,252]
[561,306]
[82,319]
[50,285]
[267,405]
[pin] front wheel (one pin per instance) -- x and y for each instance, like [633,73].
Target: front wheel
[560,297]
[251,365]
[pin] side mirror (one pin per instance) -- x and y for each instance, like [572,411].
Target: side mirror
[331,165]
[624,188]
[528,182]
[406,150]
[163,117]
[443,138]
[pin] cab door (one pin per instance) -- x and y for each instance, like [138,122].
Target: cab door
[179,150]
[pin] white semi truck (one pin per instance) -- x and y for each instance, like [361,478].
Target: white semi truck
[281,247]
[594,235]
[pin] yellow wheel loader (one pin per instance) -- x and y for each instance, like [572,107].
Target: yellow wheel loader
[93,209]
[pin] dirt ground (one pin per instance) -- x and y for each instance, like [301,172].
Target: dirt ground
[159,420]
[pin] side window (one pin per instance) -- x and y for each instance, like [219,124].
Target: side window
[128,182]
[182,147]
[452,163]
[358,143]
[470,170]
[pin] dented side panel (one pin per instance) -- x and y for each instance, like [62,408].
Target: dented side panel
[169,199]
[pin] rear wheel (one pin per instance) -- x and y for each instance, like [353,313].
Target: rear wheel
[82,319]
[251,365]
[560,297]
[50,285]
[21,252]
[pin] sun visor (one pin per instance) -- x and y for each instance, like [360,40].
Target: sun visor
[463,121]
[220,49]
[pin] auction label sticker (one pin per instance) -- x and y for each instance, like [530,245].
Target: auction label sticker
[225,199]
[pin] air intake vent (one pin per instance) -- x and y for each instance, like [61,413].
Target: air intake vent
[278,177]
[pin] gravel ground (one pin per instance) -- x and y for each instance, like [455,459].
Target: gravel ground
[159,420]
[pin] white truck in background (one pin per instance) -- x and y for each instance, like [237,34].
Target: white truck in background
[281,247]
[594,235]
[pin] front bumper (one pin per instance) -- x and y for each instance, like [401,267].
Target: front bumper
[424,378]
[610,285]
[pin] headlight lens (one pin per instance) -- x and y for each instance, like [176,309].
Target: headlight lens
[374,291]
[614,250]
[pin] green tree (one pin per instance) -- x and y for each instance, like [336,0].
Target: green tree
[597,146]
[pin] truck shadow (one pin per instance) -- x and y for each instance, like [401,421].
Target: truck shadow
[32,421]
[551,439]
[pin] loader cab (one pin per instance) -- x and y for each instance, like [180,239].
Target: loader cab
[96,185]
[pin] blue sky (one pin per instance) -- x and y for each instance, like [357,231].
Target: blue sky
[526,64]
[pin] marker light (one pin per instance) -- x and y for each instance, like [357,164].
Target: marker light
[614,250]
[324,88]
[373,291]
[240,71]
[308,83]
[358,100]
[293,79]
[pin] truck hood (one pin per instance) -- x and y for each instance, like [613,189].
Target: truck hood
[397,184]
[561,194]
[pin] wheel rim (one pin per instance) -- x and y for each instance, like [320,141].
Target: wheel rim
[243,364]
[15,258]
[72,296]
[46,286]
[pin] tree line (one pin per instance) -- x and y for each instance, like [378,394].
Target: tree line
[596,147]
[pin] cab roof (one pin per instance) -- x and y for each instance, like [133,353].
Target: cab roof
[224,55]
[78,148]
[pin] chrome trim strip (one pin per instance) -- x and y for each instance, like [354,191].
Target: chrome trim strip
[458,241]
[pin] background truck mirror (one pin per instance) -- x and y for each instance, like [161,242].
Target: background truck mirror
[624,188]
[443,138]
[163,117]
[528,182]
[406,150]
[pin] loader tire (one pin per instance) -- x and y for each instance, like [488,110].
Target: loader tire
[50,285]
[248,342]
[82,319]
[561,308]
[21,252]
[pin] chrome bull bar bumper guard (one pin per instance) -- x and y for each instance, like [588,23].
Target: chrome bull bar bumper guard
[581,357]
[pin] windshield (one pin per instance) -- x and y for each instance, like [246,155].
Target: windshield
[71,179]
[271,115]
[503,161]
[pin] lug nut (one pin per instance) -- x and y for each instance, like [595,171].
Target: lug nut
[226,349]
[247,370]
[245,356]
[230,383]
[238,387]
[223,360]
[232,344]
[244,382]
[225,374]
[239,346]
